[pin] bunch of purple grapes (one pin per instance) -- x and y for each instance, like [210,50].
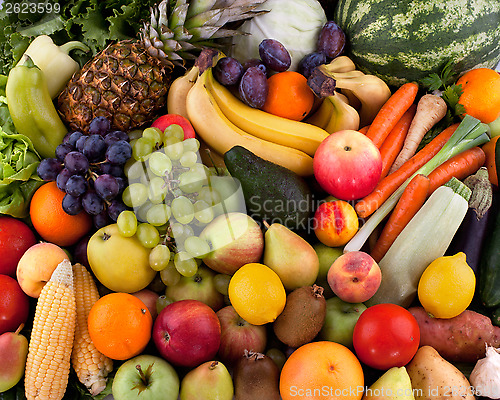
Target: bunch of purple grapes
[89,169]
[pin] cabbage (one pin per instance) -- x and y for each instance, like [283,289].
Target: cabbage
[294,23]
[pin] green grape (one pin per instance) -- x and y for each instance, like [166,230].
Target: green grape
[159,257]
[135,195]
[174,150]
[174,130]
[200,168]
[192,144]
[148,235]
[135,134]
[142,148]
[169,275]
[127,223]
[209,195]
[182,210]
[185,264]
[162,302]
[191,182]
[196,247]
[203,213]
[133,142]
[154,134]
[158,215]
[142,212]
[188,159]
[221,283]
[159,163]
[157,190]
[134,169]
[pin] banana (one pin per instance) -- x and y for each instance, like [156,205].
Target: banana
[322,115]
[341,64]
[221,134]
[343,116]
[266,126]
[177,93]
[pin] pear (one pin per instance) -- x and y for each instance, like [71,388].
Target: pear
[208,381]
[13,354]
[290,256]
[394,384]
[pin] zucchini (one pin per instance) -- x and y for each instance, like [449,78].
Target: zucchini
[425,238]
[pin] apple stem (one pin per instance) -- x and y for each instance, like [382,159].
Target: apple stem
[141,374]
[19,329]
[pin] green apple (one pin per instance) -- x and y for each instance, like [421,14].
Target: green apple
[120,263]
[146,377]
[326,255]
[340,320]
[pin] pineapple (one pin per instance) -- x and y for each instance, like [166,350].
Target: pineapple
[129,80]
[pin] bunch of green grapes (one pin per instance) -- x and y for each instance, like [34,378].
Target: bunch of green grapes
[170,192]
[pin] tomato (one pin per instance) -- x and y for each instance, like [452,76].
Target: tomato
[15,238]
[169,119]
[386,336]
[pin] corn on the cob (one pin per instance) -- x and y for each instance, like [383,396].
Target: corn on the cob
[51,341]
[90,365]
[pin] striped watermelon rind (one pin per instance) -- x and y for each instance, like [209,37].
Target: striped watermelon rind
[406,40]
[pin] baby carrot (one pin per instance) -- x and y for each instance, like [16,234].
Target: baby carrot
[408,204]
[460,166]
[391,112]
[387,186]
[394,142]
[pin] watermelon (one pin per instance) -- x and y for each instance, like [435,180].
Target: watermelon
[406,40]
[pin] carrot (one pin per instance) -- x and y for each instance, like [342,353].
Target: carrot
[394,142]
[364,129]
[387,186]
[460,166]
[408,204]
[391,112]
[430,110]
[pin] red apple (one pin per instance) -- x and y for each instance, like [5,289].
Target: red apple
[354,277]
[15,238]
[347,165]
[187,333]
[169,119]
[14,305]
[237,335]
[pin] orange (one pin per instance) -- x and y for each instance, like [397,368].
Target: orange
[120,325]
[489,151]
[481,94]
[51,221]
[289,96]
[322,370]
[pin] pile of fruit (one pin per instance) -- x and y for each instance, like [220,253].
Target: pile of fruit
[314,219]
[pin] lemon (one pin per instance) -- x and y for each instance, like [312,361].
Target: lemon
[257,293]
[447,286]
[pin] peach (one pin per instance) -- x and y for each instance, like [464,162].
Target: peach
[354,277]
[149,298]
[335,223]
[36,265]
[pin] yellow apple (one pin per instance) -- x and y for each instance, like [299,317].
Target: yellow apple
[120,263]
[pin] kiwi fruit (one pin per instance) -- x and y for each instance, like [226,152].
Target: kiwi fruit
[256,376]
[303,316]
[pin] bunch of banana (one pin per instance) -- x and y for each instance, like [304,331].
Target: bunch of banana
[223,121]
[356,100]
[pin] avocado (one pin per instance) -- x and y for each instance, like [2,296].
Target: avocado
[272,193]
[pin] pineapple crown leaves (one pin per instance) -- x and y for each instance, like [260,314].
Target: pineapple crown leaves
[178,28]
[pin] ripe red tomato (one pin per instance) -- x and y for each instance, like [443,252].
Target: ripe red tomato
[14,305]
[386,336]
[15,238]
[170,119]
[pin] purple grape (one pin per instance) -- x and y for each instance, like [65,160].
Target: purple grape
[255,62]
[106,187]
[92,203]
[73,138]
[80,143]
[76,163]
[331,40]
[99,126]
[112,169]
[274,55]
[62,178]
[62,150]
[94,147]
[253,87]
[114,136]
[121,183]
[309,62]
[115,208]
[101,220]
[49,168]
[119,152]
[76,185]
[71,204]
[228,71]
